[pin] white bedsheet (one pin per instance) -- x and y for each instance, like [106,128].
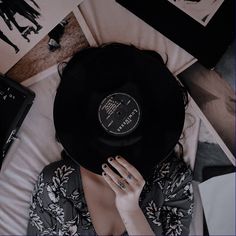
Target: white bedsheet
[34,148]
[110,22]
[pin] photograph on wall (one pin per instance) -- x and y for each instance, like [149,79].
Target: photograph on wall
[200,10]
[23,23]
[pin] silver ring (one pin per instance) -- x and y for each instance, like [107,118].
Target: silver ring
[121,185]
[129,176]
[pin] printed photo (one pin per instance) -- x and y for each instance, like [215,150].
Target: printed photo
[215,98]
[65,39]
[200,10]
[23,23]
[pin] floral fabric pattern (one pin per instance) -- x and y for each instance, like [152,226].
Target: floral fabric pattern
[49,199]
[58,206]
[174,179]
[172,220]
[153,213]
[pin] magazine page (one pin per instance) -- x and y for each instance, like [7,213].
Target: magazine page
[23,23]
[212,159]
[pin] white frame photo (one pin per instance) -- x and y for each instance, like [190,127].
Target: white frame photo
[200,10]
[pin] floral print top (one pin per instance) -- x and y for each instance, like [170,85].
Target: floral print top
[59,207]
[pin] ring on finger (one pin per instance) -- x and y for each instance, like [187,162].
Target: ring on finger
[121,184]
[129,176]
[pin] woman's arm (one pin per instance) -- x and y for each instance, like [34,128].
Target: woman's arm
[136,223]
[127,189]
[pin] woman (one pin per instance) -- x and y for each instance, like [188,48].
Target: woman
[70,199]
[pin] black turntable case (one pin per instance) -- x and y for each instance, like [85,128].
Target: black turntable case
[15,102]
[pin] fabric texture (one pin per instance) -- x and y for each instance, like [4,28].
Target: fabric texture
[59,206]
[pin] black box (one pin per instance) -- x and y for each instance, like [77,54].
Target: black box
[15,102]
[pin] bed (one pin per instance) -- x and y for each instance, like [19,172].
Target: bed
[36,145]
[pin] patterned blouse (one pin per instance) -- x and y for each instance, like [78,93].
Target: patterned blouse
[59,207]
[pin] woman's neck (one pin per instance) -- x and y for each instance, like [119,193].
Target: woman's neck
[90,177]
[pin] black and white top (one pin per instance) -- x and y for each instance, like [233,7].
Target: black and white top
[59,207]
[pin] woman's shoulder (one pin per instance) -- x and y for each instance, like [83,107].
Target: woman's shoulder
[173,170]
[168,200]
[57,177]
[62,169]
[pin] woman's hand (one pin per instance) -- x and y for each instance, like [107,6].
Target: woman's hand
[127,187]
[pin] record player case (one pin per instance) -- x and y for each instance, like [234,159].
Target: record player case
[15,102]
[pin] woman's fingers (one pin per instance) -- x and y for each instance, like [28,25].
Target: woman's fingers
[120,182]
[111,183]
[122,171]
[128,188]
[129,177]
[130,168]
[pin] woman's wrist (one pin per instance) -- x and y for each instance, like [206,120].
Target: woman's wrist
[130,210]
[135,222]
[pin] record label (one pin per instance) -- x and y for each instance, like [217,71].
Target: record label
[119,114]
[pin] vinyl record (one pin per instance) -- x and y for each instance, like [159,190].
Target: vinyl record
[118,100]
